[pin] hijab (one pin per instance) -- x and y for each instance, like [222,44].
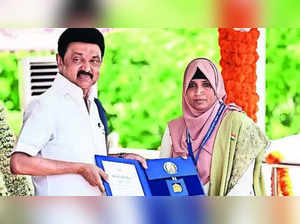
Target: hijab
[198,122]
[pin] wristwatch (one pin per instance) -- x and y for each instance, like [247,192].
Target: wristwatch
[122,155]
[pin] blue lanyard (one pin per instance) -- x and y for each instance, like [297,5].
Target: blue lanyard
[206,137]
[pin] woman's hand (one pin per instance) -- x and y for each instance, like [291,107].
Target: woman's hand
[137,157]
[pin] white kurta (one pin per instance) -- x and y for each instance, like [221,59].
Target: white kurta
[58,126]
[243,188]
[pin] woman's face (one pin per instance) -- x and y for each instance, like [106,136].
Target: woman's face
[200,94]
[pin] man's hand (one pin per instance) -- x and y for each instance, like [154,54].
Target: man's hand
[93,175]
[21,163]
[137,157]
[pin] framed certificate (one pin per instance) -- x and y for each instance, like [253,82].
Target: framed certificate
[126,177]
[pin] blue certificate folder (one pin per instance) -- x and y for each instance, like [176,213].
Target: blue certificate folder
[164,177]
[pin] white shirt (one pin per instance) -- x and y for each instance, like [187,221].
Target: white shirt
[244,187]
[58,126]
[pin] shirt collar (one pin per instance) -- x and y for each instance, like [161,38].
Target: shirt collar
[67,87]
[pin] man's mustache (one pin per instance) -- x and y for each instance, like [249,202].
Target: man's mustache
[84,73]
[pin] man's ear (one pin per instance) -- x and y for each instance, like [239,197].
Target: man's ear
[59,62]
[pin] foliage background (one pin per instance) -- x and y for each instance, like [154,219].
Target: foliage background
[141,80]
[282,80]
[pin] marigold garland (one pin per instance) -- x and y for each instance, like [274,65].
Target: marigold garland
[238,62]
[284,180]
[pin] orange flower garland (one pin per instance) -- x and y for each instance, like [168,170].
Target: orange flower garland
[284,180]
[238,62]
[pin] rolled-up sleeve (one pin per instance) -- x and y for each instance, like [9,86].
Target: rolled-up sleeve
[37,129]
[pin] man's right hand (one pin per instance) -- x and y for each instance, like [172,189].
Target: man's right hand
[93,174]
[21,163]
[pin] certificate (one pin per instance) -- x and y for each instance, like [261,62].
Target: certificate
[123,179]
[126,177]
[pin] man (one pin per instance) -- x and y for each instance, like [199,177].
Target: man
[62,130]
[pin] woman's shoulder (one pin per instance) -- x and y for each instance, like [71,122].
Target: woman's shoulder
[240,117]
[176,121]
[248,129]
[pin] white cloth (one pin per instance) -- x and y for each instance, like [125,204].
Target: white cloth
[244,187]
[58,126]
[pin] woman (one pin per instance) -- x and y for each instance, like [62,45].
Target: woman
[226,146]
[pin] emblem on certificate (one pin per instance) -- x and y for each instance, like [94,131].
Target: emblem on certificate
[177,188]
[170,167]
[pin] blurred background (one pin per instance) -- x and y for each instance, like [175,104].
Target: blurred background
[154,13]
[138,210]
[282,82]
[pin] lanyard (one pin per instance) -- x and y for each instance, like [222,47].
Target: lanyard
[206,137]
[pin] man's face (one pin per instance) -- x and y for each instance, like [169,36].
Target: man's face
[81,64]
